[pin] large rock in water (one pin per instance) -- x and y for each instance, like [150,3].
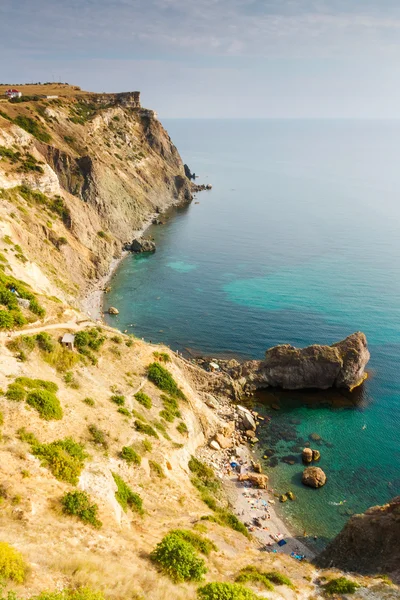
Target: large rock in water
[141,245]
[313,477]
[368,544]
[340,365]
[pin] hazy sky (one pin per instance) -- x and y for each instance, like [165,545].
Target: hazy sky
[214,58]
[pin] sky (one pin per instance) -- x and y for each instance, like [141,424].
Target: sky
[214,58]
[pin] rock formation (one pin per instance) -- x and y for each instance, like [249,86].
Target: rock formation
[140,245]
[369,543]
[307,455]
[340,365]
[313,477]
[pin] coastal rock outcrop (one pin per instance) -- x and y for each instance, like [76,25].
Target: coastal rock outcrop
[340,365]
[259,480]
[369,543]
[141,245]
[313,477]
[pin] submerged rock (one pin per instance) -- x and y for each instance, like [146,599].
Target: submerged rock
[340,365]
[313,477]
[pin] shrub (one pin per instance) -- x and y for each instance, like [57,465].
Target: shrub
[163,379]
[118,399]
[33,127]
[143,399]
[182,428]
[225,591]
[126,497]
[203,545]
[64,458]
[1,418]
[341,585]
[89,401]
[145,428]
[162,429]
[116,339]
[45,342]
[79,505]
[131,456]
[46,403]
[162,357]
[32,384]
[98,436]
[147,445]
[253,575]
[156,468]
[124,411]
[12,564]
[178,559]
[6,319]
[278,579]
[16,392]
[78,594]
[171,409]
[90,338]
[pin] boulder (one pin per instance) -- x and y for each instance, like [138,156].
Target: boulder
[113,311]
[214,445]
[141,245]
[340,365]
[307,455]
[24,302]
[313,477]
[210,401]
[250,434]
[246,418]
[316,454]
[261,481]
[256,467]
[223,441]
[283,498]
[291,496]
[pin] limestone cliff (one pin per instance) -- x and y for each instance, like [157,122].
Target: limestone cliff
[369,543]
[112,164]
[341,365]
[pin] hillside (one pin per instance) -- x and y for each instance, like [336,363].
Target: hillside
[100,444]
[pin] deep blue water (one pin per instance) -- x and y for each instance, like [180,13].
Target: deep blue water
[297,242]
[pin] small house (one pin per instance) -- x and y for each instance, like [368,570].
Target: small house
[68,340]
[13,94]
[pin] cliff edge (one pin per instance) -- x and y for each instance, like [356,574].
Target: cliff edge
[369,543]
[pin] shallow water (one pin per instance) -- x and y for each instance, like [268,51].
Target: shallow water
[297,242]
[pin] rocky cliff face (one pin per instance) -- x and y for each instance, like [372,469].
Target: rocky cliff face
[369,543]
[111,162]
[340,365]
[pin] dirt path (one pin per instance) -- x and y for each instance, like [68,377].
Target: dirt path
[74,325]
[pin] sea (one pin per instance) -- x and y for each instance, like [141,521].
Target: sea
[297,242]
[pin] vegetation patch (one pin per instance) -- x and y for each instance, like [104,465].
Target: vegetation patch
[143,399]
[46,403]
[64,458]
[124,411]
[33,127]
[89,401]
[161,427]
[162,357]
[225,591]
[126,497]
[145,428]
[339,586]
[79,505]
[98,436]
[131,456]
[118,399]
[182,428]
[156,469]
[68,594]
[41,384]
[200,543]
[12,564]
[163,379]
[88,341]
[10,290]
[16,392]
[178,559]
[171,409]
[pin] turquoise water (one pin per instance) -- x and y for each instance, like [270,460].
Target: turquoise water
[297,242]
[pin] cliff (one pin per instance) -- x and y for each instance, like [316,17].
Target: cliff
[369,543]
[341,365]
[108,161]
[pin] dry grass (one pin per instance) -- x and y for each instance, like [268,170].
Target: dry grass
[54,89]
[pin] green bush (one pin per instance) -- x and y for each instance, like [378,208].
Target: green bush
[203,545]
[143,399]
[46,403]
[171,409]
[178,559]
[33,127]
[162,357]
[89,401]
[182,428]
[16,392]
[163,379]
[157,469]
[145,428]
[98,436]
[79,594]
[12,564]
[118,399]
[6,319]
[161,427]
[45,342]
[90,338]
[1,418]
[253,575]
[341,585]
[278,579]
[131,456]
[126,497]
[79,505]
[147,445]
[124,411]
[33,384]
[64,458]
[225,591]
